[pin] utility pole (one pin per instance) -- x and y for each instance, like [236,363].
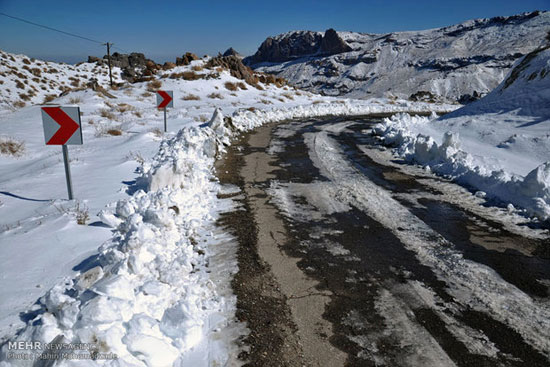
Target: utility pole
[109,61]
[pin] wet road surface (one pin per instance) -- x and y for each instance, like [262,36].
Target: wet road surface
[350,258]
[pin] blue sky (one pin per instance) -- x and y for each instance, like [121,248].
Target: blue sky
[166,29]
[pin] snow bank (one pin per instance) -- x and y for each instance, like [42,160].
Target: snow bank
[147,299]
[448,158]
[499,144]
[245,120]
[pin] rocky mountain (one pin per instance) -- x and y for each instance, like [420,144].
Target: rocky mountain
[459,62]
[231,52]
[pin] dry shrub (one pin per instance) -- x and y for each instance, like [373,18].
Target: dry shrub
[191,75]
[75,83]
[114,131]
[82,215]
[215,95]
[242,85]
[317,101]
[265,101]
[124,107]
[24,96]
[136,156]
[19,104]
[19,85]
[197,68]
[258,86]
[36,71]
[105,113]
[75,100]
[11,146]
[288,95]
[154,85]
[157,132]
[251,109]
[191,97]
[202,118]
[26,61]
[49,97]
[231,86]
[146,94]
[137,114]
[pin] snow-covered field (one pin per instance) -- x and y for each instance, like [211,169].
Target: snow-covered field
[499,145]
[135,265]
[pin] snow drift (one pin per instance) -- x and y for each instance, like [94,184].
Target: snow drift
[499,144]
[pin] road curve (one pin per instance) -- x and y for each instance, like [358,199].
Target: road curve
[349,258]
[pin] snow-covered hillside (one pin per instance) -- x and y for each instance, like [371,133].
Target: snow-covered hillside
[499,145]
[26,81]
[451,62]
[135,265]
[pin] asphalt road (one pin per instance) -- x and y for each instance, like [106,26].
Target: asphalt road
[348,257]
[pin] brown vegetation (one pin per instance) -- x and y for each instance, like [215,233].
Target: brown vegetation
[10,146]
[105,113]
[154,85]
[191,97]
[215,95]
[231,86]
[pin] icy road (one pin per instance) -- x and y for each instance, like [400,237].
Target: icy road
[348,257]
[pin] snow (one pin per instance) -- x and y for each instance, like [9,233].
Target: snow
[147,278]
[499,145]
[449,62]
[38,79]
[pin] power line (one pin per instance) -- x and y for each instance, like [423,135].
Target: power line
[51,29]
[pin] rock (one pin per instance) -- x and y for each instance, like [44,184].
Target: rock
[118,60]
[186,59]
[95,59]
[231,52]
[298,44]
[332,43]
[128,73]
[287,47]
[235,66]
[469,98]
[136,59]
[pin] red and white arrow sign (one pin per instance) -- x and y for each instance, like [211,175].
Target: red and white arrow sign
[165,98]
[61,125]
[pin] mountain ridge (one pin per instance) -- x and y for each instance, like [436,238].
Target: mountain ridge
[453,62]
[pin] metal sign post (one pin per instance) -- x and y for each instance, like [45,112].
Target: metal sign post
[67,171]
[62,126]
[165,98]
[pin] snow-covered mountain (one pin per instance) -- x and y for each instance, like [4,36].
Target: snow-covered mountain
[454,62]
[499,144]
